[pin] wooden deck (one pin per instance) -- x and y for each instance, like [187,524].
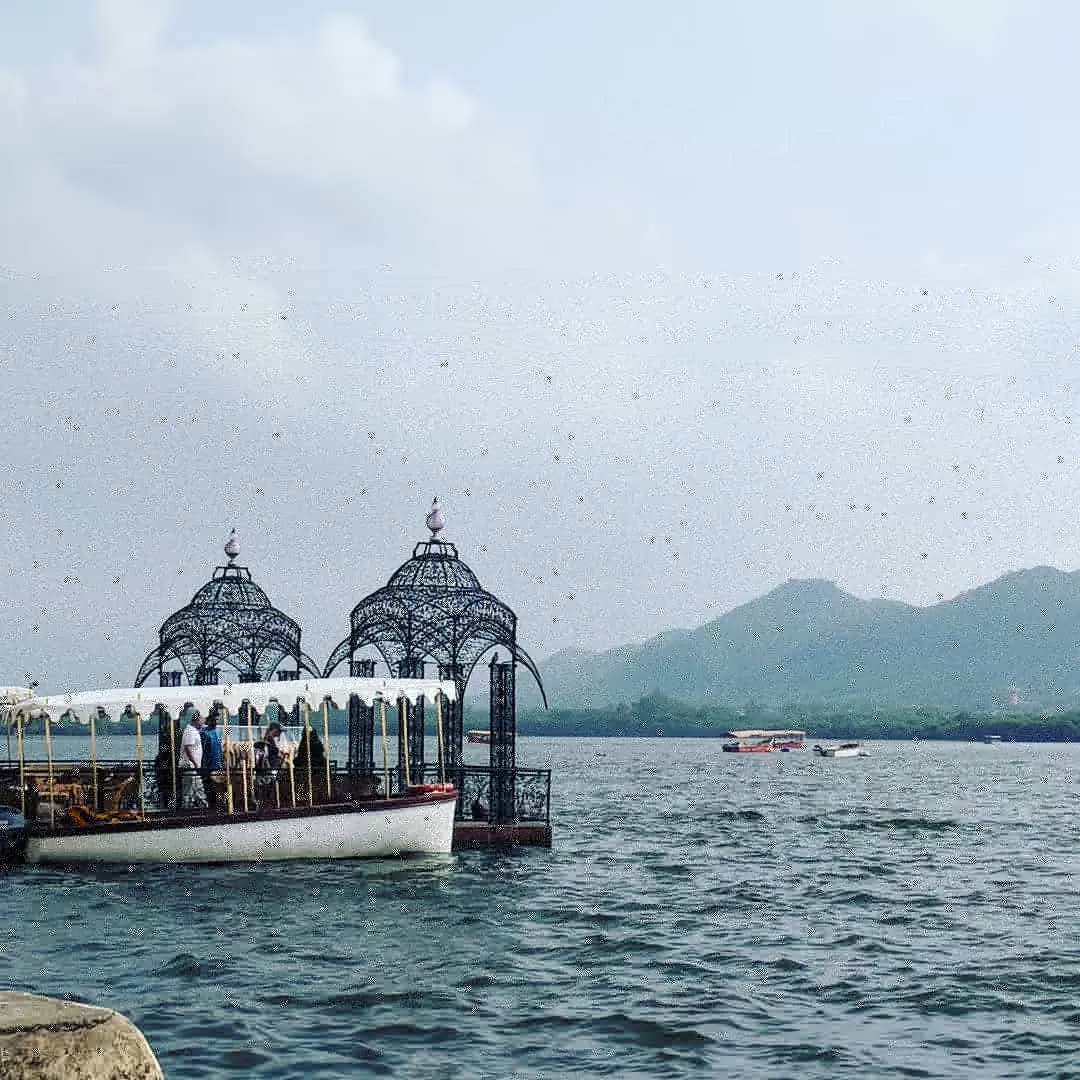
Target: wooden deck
[479,835]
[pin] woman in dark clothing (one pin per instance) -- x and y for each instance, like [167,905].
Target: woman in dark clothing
[273,751]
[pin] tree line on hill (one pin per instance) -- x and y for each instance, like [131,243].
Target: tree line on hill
[660,716]
[656,715]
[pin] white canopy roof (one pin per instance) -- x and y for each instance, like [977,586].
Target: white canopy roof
[11,694]
[143,699]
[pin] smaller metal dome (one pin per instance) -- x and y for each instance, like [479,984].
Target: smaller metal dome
[229,621]
[231,586]
[434,565]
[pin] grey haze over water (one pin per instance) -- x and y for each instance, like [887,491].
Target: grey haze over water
[667,307]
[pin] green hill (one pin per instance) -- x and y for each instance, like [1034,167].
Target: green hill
[808,643]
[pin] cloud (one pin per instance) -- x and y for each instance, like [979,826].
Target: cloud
[299,284]
[970,25]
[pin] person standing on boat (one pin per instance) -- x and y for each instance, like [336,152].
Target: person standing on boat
[273,748]
[213,754]
[190,762]
[213,757]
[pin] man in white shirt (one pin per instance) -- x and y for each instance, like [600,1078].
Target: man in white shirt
[189,762]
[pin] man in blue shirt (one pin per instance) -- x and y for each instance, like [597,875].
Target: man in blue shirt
[213,757]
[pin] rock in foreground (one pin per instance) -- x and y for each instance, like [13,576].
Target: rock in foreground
[42,1038]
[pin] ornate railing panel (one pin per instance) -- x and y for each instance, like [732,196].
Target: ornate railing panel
[531,789]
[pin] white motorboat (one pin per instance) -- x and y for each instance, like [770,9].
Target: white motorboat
[420,824]
[847,749]
[248,823]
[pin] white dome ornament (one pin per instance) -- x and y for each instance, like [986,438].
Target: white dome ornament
[435,520]
[232,547]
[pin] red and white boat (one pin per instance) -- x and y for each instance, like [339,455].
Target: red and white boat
[763,741]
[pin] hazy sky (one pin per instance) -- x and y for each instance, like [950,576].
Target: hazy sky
[667,303]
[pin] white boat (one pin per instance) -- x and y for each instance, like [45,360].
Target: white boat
[244,828]
[421,824]
[847,749]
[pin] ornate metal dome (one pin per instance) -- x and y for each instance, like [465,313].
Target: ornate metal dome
[434,565]
[229,621]
[433,607]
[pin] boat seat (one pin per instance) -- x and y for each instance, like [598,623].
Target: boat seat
[118,791]
[83,815]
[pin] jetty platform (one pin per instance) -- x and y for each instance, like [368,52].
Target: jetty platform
[480,835]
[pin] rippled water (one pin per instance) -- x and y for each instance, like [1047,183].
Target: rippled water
[908,914]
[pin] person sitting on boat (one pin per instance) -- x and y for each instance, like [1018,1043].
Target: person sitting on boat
[189,763]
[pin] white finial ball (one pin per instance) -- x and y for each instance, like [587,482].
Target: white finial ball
[232,546]
[435,520]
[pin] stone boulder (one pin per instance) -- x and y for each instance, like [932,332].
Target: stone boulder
[42,1038]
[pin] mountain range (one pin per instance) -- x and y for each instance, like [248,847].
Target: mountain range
[1014,642]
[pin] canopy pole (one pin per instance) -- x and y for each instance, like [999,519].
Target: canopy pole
[52,785]
[307,739]
[93,756]
[226,763]
[403,737]
[292,780]
[250,733]
[385,750]
[172,755]
[326,741]
[139,757]
[439,735]
[7,728]
[251,741]
[22,761]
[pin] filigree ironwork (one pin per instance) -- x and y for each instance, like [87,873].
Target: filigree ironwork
[433,607]
[475,783]
[229,622]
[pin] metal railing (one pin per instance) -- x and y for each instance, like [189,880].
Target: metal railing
[524,795]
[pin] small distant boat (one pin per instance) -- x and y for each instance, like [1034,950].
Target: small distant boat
[846,749]
[761,741]
[993,740]
[478,735]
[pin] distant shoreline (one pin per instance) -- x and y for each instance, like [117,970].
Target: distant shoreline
[657,716]
[812,736]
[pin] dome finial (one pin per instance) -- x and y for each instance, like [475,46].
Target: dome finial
[435,520]
[232,547]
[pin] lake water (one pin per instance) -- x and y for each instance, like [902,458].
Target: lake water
[907,914]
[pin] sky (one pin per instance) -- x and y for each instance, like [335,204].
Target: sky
[667,306]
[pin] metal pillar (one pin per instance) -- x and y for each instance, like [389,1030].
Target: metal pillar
[503,724]
[453,713]
[361,725]
[411,719]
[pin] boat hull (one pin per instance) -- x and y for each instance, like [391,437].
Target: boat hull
[733,748]
[386,827]
[840,751]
